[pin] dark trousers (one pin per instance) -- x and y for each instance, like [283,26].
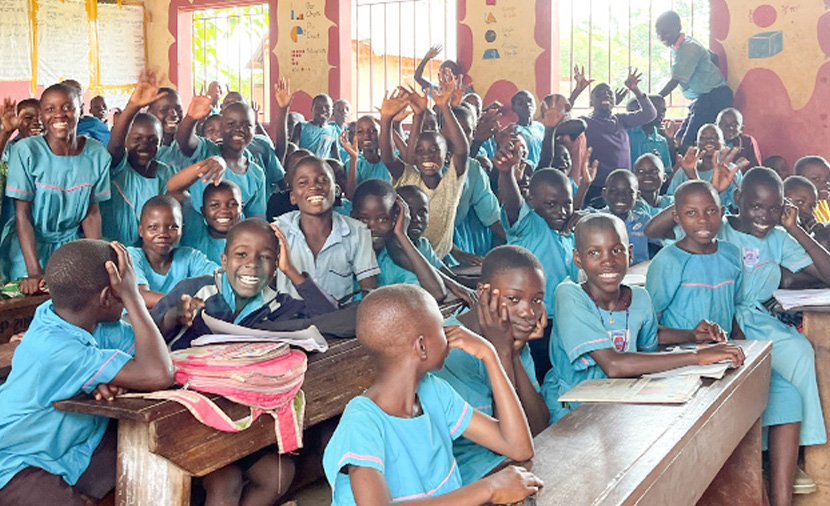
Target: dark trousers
[702,111]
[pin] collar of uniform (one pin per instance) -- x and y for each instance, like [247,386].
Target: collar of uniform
[47,312]
[339,228]
[680,39]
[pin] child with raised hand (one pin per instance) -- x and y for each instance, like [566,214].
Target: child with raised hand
[700,162]
[648,138]
[602,326]
[607,131]
[523,105]
[160,262]
[731,123]
[651,174]
[363,161]
[378,454]
[817,170]
[237,131]
[168,109]
[697,280]
[76,343]
[136,175]
[241,292]
[803,194]
[221,210]
[621,194]
[22,117]
[509,311]
[335,250]
[387,216]
[42,171]
[430,152]
[318,135]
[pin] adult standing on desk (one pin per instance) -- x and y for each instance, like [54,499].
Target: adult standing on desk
[692,68]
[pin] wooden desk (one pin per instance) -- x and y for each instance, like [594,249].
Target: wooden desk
[17,314]
[817,458]
[6,353]
[161,446]
[616,454]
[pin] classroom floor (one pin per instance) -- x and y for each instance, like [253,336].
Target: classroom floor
[316,494]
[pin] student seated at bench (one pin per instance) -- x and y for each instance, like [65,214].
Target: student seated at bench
[76,343]
[601,324]
[394,442]
[509,312]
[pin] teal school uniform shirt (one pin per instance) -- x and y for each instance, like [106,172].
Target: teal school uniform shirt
[468,376]
[554,250]
[635,224]
[533,134]
[663,201]
[347,255]
[692,67]
[262,149]
[129,192]
[318,140]
[478,209]
[55,362]
[391,272]
[414,454]
[251,183]
[197,236]
[656,144]
[432,258]
[581,327]
[187,263]
[792,355]
[367,170]
[60,188]
[344,155]
[727,197]
[172,156]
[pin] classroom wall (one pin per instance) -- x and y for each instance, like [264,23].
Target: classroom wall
[776,61]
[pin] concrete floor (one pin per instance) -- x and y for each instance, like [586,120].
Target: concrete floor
[316,494]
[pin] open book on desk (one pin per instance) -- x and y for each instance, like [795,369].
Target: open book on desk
[309,339]
[674,390]
[791,299]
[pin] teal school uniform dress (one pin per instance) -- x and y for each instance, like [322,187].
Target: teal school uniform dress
[663,201]
[172,156]
[727,197]
[318,140]
[533,134]
[478,209]
[197,236]
[347,255]
[60,188]
[792,355]
[468,376]
[262,149]
[414,454]
[367,170]
[251,183]
[656,144]
[425,248]
[635,224]
[187,263]
[686,288]
[581,327]
[392,273]
[129,192]
[55,362]
[344,155]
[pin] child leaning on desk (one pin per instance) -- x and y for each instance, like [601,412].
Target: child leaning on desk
[76,343]
[601,325]
[394,442]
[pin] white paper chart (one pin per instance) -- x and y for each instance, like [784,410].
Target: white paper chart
[62,42]
[15,58]
[120,43]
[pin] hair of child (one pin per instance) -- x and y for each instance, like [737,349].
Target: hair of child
[798,182]
[292,160]
[715,127]
[252,225]
[373,188]
[599,223]
[454,67]
[388,316]
[76,272]
[668,17]
[200,127]
[410,191]
[28,102]
[223,185]
[161,201]
[144,118]
[622,174]
[654,159]
[439,139]
[550,177]
[169,91]
[762,176]
[695,187]
[312,160]
[241,106]
[61,87]
[738,115]
[466,111]
[231,97]
[506,258]
[807,161]
[75,86]
[321,96]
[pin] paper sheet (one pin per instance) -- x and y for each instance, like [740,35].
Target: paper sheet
[309,339]
[675,390]
[714,371]
[790,299]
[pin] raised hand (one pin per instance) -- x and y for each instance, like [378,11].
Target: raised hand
[8,115]
[284,263]
[211,170]
[588,169]
[394,103]
[350,147]
[465,340]
[282,92]
[256,108]
[688,162]
[581,82]
[433,52]
[633,79]
[200,107]
[619,95]
[443,95]
[506,159]
[670,127]
[724,170]
[418,102]
[552,117]
[507,135]
[122,277]
[402,115]
[488,124]
[146,90]
[402,219]
[494,319]
[789,218]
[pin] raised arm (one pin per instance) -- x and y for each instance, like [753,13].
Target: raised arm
[145,93]
[419,71]
[282,92]
[580,83]
[9,120]
[551,117]
[351,171]
[428,277]
[669,87]
[646,113]
[199,108]
[419,104]
[661,226]
[391,106]
[820,269]
[209,170]
[507,161]
[460,145]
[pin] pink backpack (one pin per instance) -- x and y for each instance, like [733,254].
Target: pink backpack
[265,376]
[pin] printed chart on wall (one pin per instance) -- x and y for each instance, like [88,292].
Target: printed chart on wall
[121,56]
[15,61]
[504,43]
[62,42]
[303,43]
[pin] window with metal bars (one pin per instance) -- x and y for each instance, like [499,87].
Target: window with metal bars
[389,38]
[231,46]
[608,37]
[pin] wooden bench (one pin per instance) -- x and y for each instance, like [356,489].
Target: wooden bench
[706,452]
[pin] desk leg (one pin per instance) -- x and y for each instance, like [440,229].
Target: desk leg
[144,477]
[817,458]
[740,481]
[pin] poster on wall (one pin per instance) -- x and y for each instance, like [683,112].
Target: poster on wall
[120,44]
[303,44]
[15,62]
[504,44]
[62,42]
